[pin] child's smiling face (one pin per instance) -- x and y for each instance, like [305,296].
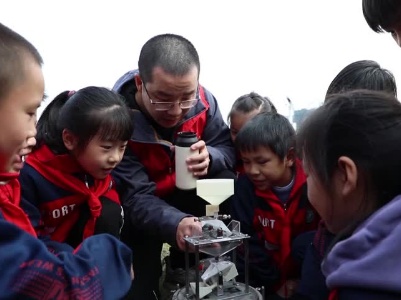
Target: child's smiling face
[18,116]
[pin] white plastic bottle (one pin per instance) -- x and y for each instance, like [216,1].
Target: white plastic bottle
[184,179]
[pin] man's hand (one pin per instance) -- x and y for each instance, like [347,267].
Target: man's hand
[198,163]
[187,227]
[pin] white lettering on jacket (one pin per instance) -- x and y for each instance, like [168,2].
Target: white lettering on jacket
[61,212]
[266,222]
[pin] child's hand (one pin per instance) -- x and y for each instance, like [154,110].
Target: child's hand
[288,289]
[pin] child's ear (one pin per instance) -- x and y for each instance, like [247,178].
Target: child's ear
[290,157]
[347,175]
[69,139]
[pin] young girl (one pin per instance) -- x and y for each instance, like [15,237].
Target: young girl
[67,189]
[351,148]
[100,268]
[362,74]
[244,109]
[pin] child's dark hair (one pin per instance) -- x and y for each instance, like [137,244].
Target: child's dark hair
[363,74]
[86,113]
[364,126]
[250,102]
[270,130]
[381,14]
[14,52]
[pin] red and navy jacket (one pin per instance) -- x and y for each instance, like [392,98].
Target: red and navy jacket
[146,174]
[158,162]
[65,204]
[272,226]
[98,269]
[10,198]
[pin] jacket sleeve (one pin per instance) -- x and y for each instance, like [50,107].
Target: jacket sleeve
[365,294]
[313,283]
[217,138]
[30,199]
[147,213]
[99,269]
[261,268]
[30,195]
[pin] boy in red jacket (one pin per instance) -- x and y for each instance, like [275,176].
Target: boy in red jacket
[270,202]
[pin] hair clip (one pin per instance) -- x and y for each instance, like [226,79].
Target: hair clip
[70,93]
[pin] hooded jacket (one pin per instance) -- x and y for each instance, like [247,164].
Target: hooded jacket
[146,175]
[367,264]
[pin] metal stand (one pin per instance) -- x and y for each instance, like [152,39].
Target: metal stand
[217,242]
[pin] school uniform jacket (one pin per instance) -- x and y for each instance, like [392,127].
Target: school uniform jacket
[63,203]
[30,271]
[272,226]
[146,173]
[312,285]
[10,198]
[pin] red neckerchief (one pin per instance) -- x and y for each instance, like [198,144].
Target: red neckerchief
[10,197]
[59,170]
[333,295]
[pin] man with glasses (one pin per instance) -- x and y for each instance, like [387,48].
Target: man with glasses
[166,97]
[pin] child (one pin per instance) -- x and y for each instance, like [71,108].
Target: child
[67,189]
[353,182]
[244,109]
[100,267]
[270,202]
[363,74]
[383,16]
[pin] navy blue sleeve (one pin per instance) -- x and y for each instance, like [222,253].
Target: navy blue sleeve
[261,268]
[217,138]
[30,195]
[99,269]
[365,294]
[147,212]
[30,200]
[313,283]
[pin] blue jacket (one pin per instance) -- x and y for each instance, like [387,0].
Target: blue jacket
[98,269]
[367,264]
[312,285]
[146,211]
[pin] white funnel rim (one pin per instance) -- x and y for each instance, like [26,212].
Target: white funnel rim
[215,190]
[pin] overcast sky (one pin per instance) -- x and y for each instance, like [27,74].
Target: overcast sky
[278,48]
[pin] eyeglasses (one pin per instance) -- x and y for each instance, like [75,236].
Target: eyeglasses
[165,106]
